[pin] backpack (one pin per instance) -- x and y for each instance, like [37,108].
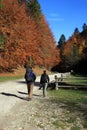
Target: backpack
[30,76]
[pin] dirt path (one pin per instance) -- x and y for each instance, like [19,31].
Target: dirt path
[14,107]
[16,113]
[38,114]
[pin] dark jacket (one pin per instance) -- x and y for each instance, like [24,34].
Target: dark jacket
[44,78]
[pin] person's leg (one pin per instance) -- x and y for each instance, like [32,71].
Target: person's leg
[43,86]
[44,89]
[28,88]
[56,86]
[40,87]
[31,91]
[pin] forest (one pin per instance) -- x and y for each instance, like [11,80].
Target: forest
[25,34]
[73,52]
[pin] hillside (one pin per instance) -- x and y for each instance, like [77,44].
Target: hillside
[22,36]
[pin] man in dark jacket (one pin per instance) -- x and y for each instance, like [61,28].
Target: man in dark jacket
[44,80]
[30,78]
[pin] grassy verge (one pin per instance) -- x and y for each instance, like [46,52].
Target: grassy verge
[8,78]
[74,105]
[76,80]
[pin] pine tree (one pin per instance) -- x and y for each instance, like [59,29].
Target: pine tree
[34,9]
[1,5]
[61,41]
[84,27]
[76,31]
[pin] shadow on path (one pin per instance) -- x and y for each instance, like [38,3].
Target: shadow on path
[14,95]
[36,95]
[21,92]
[21,82]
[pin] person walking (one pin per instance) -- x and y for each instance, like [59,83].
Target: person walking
[56,82]
[30,78]
[44,80]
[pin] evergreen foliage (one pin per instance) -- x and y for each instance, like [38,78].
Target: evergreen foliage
[34,9]
[84,27]
[76,31]
[2,40]
[61,41]
[1,5]
[74,52]
[20,1]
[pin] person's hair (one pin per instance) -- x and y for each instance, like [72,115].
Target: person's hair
[44,71]
[28,66]
[55,76]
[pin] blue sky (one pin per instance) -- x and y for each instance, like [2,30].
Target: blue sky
[63,16]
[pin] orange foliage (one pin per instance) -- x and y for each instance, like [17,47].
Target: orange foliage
[78,42]
[24,37]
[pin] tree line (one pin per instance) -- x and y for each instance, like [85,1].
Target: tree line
[25,34]
[73,52]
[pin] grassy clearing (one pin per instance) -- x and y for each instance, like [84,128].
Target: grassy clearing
[76,80]
[8,78]
[74,105]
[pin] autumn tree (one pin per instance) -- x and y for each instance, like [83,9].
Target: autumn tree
[45,40]
[21,37]
[74,51]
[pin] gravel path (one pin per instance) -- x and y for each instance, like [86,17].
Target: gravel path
[38,114]
[15,111]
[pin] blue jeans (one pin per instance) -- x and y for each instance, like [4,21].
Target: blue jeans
[44,85]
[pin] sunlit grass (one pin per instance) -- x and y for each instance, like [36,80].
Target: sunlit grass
[8,78]
[74,96]
[75,102]
[76,80]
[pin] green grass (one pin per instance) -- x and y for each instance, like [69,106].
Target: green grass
[8,78]
[76,80]
[74,96]
[75,102]
[58,124]
[75,128]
